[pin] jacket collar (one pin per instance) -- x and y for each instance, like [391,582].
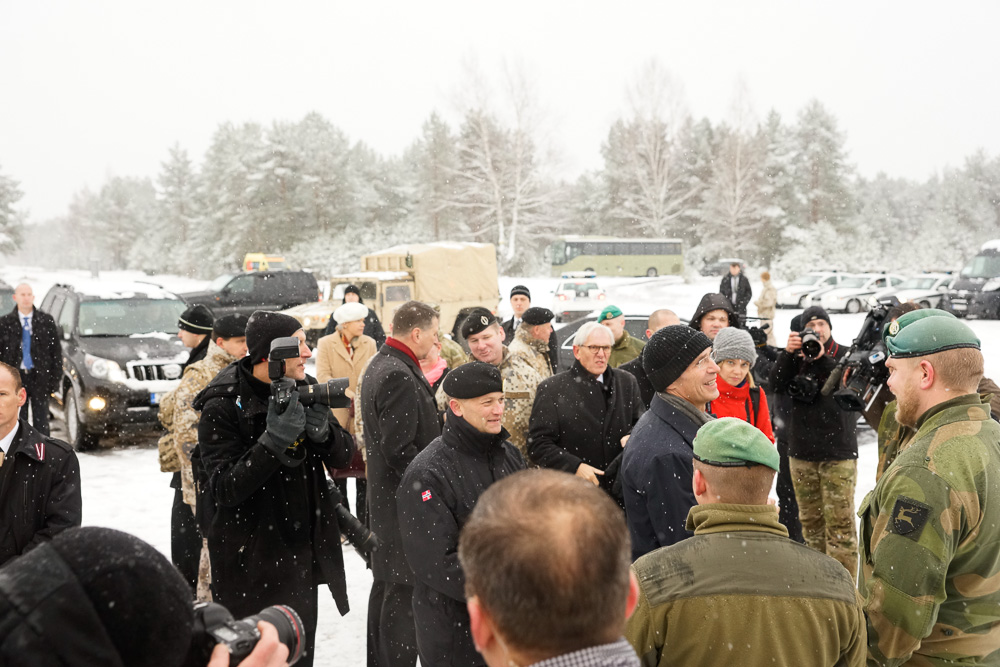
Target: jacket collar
[623,342]
[391,351]
[725,518]
[677,418]
[580,372]
[523,334]
[460,434]
[28,442]
[941,413]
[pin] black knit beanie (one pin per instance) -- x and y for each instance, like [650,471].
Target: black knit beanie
[141,599]
[262,328]
[815,313]
[670,351]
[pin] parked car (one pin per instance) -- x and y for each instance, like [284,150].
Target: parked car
[797,293]
[634,324]
[720,267]
[6,297]
[574,298]
[925,290]
[976,291]
[244,293]
[121,354]
[851,295]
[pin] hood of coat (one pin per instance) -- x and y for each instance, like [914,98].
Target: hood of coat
[711,302]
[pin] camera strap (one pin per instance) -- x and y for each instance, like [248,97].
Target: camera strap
[755,404]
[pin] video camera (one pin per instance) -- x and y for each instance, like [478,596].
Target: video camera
[757,333]
[861,373]
[365,541]
[213,624]
[331,393]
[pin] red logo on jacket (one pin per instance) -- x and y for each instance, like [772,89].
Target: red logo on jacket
[426,495]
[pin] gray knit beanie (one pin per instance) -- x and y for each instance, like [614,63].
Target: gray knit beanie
[733,343]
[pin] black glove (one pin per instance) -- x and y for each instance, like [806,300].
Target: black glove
[318,423]
[284,429]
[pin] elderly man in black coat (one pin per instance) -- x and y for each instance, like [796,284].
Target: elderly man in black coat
[581,417]
[400,419]
[656,466]
[272,530]
[436,497]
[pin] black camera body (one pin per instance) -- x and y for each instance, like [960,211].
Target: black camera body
[331,393]
[862,373]
[804,388]
[213,624]
[812,346]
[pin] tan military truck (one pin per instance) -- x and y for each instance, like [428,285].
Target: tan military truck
[453,276]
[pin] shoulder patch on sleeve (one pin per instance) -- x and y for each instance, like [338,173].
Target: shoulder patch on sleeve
[909,517]
[517,394]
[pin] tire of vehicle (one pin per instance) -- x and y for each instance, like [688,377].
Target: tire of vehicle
[925,304]
[853,306]
[76,434]
[802,302]
[651,272]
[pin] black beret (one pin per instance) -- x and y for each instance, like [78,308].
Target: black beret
[230,326]
[473,380]
[263,327]
[537,315]
[477,322]
[522,290]
[196,319]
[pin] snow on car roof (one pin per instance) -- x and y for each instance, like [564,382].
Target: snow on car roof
[993,244]
[111,290]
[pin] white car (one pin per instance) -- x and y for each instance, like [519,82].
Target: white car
[796,293]
[575,298]
[851,296]
[925,290]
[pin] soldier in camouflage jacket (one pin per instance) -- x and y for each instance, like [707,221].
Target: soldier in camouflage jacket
[930,566]
[531,340]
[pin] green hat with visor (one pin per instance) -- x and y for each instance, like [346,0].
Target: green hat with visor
[927,331]
[731,442]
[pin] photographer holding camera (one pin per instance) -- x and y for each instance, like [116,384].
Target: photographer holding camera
[822,442]
[271,521]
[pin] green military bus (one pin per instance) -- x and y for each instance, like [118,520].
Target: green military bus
[610,256]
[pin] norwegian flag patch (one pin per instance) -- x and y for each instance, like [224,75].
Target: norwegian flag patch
[426,495]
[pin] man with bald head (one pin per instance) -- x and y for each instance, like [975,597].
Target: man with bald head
[659,319]
[29,342]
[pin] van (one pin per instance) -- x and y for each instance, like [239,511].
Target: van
[976,291]
[258,261]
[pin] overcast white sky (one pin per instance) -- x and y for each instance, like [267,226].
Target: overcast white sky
[98,88]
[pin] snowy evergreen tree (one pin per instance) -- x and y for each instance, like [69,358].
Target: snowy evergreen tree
[177,214]
[778,188]
[434,160]
[11,219]
[823,173]
[125,216]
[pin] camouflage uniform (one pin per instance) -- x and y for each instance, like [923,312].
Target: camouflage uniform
[520,381]
[626,349]
[532,350]
[181,420]
[451,352]
[930,531]
[825,494]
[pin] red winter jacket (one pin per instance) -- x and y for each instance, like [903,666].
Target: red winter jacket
[735,402]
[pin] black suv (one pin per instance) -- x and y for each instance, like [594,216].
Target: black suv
[258,290]
[121,354]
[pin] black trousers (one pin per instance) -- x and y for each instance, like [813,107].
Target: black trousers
[788,506]
[38,399]
[392,634]
[185,540]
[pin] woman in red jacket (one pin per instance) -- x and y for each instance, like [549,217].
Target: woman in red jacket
[734,352]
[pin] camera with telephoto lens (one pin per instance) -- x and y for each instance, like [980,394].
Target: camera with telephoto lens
[861,374]
[804,388]
[812,346]
[213,624]
[358,534]
[331,393]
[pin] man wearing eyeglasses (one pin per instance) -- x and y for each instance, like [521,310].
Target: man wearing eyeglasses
[581,417]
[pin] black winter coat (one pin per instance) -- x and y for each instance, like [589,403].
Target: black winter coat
[577,419]
[39,491]
[46,352]
[817,430]
[435,498]
[400,420]
[273,528]
[743,292]
[646,391]
[656,477]
[508,330]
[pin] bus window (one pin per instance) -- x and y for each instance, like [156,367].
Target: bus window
[559,253]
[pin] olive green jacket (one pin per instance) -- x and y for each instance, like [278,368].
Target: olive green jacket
[739,592]
[930,541]
[626,349]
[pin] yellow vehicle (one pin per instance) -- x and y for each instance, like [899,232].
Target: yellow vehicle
[258,261]
[611,256]
[453,276]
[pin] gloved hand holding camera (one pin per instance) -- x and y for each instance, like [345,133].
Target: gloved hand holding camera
[317,418]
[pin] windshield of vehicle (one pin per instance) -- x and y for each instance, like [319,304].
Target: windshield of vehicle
[982,266]
[918,283]
[220,282]
[807,280]
[581,289]
[853,282]
[124,317]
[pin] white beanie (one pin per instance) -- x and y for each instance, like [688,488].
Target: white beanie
[350,312]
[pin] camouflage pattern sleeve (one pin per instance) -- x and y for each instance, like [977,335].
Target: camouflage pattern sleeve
[184,428]
[520,382]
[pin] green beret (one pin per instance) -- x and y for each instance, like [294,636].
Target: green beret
[610,313]
[733,442]
[927,331]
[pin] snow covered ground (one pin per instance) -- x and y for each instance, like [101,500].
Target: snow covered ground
[123,487]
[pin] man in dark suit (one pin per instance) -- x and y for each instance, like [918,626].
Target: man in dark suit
[520,301]
[736,288]
[29,341]
[400,419]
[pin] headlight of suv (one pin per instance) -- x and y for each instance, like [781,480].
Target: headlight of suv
[991,285]
[104,369]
